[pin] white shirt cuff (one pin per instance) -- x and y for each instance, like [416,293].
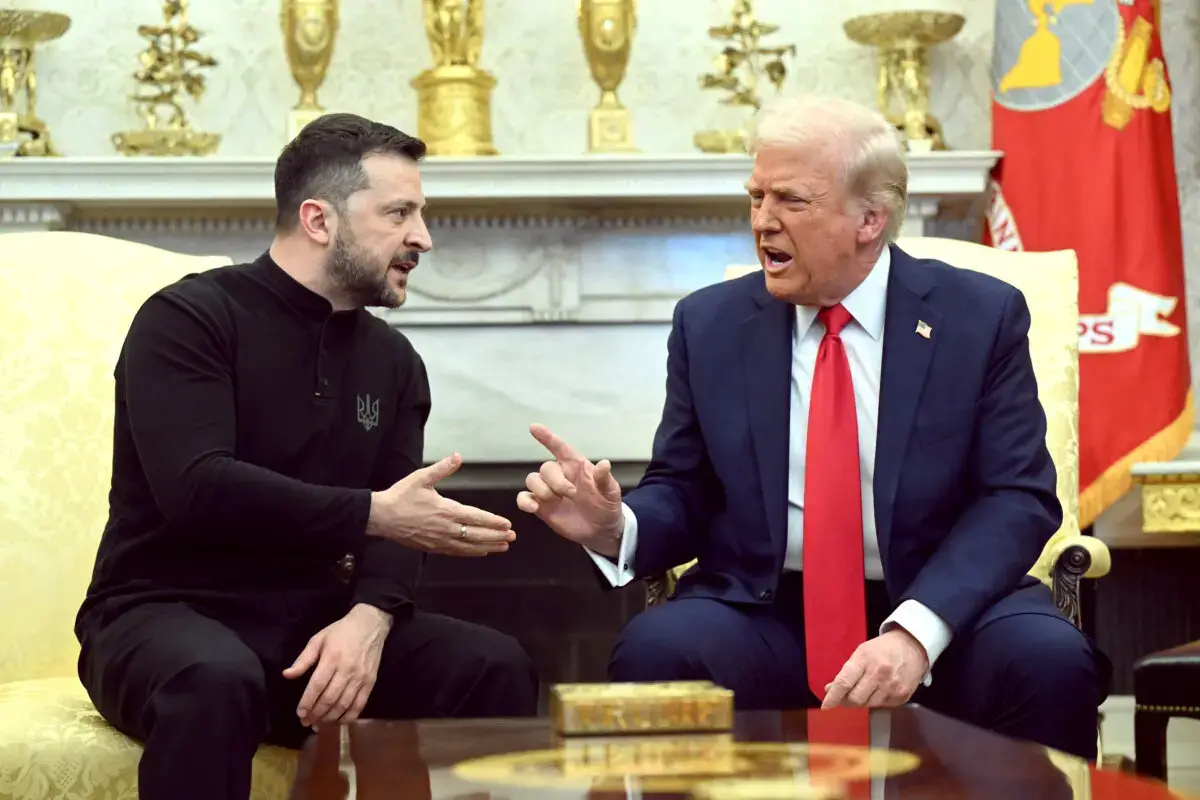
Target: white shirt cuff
[621,572]
[924,626]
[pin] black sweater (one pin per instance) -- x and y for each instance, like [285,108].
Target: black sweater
[252,424]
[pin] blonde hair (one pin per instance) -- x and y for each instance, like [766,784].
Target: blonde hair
[873,167]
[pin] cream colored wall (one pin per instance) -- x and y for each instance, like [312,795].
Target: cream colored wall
[531,46]
[544,90]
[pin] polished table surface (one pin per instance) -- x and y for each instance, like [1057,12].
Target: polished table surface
[913,753]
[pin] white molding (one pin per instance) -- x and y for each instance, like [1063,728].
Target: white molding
[1177,467]
[183,225]
[20,217]
[120,181]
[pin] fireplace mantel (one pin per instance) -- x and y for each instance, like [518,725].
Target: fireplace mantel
[549,291]
[76,185]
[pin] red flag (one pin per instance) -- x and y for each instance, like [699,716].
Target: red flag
[1082,113]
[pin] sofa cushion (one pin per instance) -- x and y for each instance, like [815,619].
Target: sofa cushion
[54,745]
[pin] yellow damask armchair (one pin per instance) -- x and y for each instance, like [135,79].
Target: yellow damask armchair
[67,300]
[1049,282]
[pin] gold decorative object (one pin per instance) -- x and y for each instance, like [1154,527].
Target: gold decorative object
[22,132]
[167,68]
[607,28]
[1133,79]
[454,97]
[738,69]
[655,754]
[591,708]
[1170,496]
[903,39]
[766,789]
[682,764]
[309,30]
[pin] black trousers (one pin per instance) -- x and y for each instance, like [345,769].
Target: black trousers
[201,698]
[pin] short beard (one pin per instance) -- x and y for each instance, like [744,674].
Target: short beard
[353,274]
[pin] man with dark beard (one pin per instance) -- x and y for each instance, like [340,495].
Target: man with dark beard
[268,512]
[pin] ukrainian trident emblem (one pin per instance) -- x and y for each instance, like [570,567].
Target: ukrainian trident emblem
[368,412]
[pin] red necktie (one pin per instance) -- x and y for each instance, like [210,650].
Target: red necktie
[835,605]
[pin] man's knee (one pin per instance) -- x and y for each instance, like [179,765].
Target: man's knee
[220,690]
[500,676]
[1049,687]
[1053,662]
[656,645]
[504,662]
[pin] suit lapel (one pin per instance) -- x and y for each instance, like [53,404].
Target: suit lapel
[766,351]
[906,358]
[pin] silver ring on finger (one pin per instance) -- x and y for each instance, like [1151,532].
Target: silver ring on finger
[462,531]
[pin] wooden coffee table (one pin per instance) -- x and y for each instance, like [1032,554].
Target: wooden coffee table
[914,753]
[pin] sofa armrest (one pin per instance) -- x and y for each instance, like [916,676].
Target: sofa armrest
[1076,558]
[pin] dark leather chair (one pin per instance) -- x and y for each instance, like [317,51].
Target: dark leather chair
[1165,685]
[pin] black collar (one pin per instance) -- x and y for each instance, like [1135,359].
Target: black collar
[295,294]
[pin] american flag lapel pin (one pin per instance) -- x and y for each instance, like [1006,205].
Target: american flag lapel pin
[923,329]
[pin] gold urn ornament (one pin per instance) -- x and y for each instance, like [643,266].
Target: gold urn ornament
[309,30]
[607,28]
[22,132]
[454,96]
[168,69]
[903,39]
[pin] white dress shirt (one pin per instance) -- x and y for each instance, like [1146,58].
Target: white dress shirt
[863,339]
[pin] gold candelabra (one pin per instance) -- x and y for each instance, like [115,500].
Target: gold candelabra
[903,39]
[607,28]
[454,96]
[309,30]
[168,67]
[22,132]
[738,69]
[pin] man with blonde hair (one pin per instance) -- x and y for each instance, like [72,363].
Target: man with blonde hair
[853,449]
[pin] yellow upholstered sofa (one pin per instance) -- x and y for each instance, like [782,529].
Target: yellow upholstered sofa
[1049,282]
[67,300]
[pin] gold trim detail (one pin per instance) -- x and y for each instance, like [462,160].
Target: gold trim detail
[1117,480]
[1168,709]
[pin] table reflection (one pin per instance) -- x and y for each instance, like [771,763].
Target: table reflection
[906,753]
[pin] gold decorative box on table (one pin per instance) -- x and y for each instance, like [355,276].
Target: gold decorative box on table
[608,708]
[454,97]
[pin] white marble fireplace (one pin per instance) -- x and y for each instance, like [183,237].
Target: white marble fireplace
[549,292]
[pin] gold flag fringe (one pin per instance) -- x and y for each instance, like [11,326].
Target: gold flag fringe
[1116,480]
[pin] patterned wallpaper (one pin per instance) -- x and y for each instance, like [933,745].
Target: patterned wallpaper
[531,46]
[544,90]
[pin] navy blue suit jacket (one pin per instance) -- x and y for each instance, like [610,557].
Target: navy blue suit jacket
[964,485]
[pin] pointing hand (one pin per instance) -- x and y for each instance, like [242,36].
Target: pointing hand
[579,500]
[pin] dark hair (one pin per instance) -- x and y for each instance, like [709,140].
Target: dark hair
[324,161]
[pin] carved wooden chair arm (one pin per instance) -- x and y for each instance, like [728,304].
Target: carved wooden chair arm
[1077,557]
